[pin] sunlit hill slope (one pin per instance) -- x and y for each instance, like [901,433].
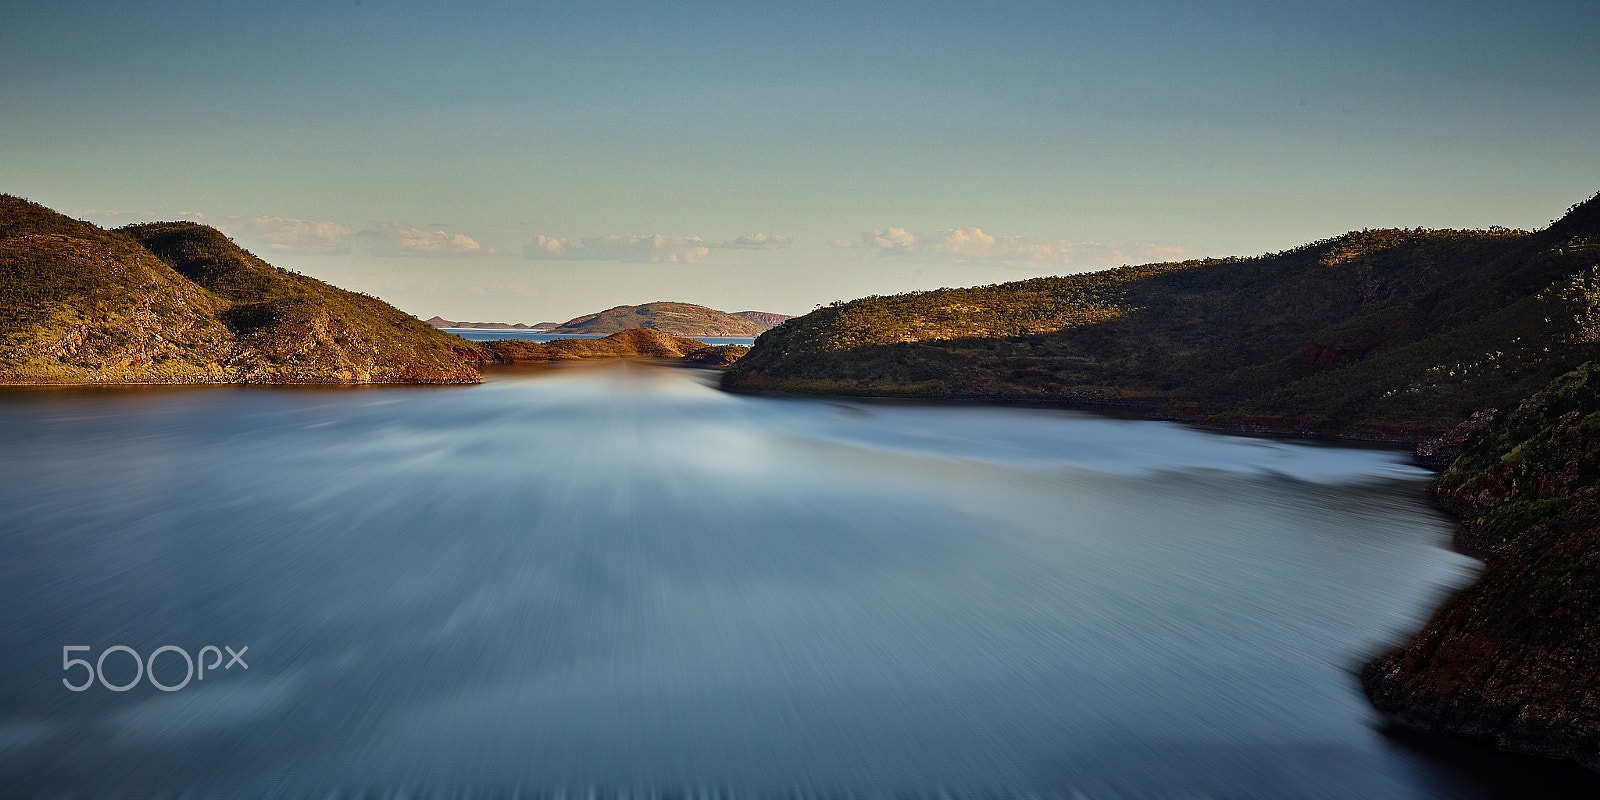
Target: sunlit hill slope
[1400,332]
[180,303]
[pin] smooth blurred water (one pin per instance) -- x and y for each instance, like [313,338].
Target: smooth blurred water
[490,334]
[619,580]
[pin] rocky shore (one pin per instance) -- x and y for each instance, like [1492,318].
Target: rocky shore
[1514,659]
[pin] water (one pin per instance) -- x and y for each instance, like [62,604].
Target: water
[618,580]
[489,334]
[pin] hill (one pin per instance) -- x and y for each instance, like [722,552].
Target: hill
[180,303]
[679,319]
[440,322]
[632,343]
[1396,333]
[766,319]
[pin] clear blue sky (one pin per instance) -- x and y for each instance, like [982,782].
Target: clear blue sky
[527,162]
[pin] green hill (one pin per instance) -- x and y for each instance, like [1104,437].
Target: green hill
[1378,333]
[181,303]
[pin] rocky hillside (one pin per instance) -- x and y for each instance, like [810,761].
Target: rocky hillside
[632,343]
[1376,333]
[678,319]
[1514,659]
[766,319]
[180,303]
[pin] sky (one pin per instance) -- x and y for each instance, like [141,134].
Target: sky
[526,162]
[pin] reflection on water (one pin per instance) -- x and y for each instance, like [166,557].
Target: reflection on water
[618,579]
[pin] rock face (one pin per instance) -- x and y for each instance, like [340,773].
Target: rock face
[180,303]
[1514,659]
[679,319]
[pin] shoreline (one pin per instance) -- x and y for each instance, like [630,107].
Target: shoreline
[1124,410]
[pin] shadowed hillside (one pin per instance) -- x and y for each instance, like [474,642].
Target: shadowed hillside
[1384,333]
[1512,659]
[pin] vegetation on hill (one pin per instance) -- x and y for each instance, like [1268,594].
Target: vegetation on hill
[1512,658]
[631,343]
[289,328]
[180,303]
[679,319]
[1378,333]
[766,319]
[80,304]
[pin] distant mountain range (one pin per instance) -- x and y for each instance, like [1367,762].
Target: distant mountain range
[442,323]
[678,319]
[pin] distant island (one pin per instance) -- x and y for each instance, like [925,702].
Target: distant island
[442,323]
[179,302]
[679,319]
[631,343]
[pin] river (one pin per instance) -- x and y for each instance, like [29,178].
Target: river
[617,580]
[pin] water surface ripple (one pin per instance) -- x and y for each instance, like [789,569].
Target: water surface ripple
[619,581]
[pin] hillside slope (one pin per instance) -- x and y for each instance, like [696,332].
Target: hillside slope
[180,303]
[1377,333]
[678,319]
[631,343]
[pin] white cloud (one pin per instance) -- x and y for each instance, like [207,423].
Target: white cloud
[650,249]
[961,245]
[399,239]
[757,241]
[274,234]
[284,235]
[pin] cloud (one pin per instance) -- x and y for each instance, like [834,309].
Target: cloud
[285,235]
[274,234]
[399,239]
[650,249]
[757,241]
[289,235]
[964,245]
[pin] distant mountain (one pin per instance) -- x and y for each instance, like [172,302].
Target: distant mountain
[631,343]
[1377,333]
[766,319]
[440,322]
[179,302]
[682,319]
[679,319]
